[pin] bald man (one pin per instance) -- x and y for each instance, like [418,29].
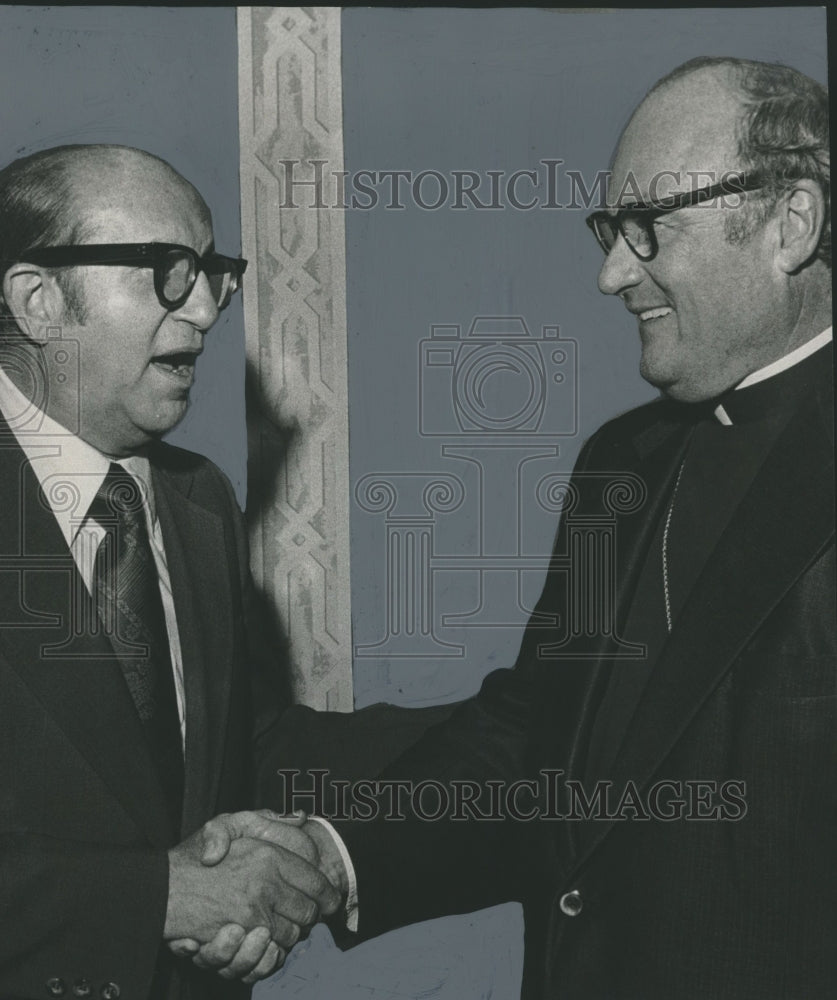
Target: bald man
[136,696]
[677,840]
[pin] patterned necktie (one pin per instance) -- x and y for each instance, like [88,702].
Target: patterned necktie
[126,590]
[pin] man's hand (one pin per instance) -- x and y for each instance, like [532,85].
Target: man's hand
[270,891]
[295,832]
[260,824]
[232,952]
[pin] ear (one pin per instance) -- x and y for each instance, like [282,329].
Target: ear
[801,215]
[33,298]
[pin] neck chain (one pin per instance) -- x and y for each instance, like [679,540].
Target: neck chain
[666,592]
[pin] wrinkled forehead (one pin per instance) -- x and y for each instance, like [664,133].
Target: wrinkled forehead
[682,137]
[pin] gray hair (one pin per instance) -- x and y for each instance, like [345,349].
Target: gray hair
[782,137]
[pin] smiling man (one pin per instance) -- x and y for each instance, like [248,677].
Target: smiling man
[137,691]
[718,299]
[683,845]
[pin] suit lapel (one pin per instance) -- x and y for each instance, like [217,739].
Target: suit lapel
[660,453]
[743,581]
[195,552]
[654,457]
[63,658]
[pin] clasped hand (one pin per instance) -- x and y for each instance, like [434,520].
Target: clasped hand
[243,889]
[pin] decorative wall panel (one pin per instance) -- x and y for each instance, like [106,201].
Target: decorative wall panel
[290,107]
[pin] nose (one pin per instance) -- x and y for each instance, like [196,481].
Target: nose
[200,309]
[622,269]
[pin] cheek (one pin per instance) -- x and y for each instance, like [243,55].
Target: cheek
[112,369]
[104,383]
[704,294]
[120,343]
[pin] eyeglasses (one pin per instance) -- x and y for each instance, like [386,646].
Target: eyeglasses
[636,222]
[176,268]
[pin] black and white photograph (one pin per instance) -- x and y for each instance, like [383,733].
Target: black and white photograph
[417,566]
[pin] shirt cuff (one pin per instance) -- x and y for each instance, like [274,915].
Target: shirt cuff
[352,913]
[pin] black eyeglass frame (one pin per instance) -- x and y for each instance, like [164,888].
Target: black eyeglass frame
[648,211]
[143,255]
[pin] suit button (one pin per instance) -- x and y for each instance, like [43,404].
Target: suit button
[571,903]
[111,991]
[55,987]
[81,988]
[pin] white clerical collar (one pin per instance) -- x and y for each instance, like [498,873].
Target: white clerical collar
[67,467]
[775,367]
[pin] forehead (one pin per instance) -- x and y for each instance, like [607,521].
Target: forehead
[138,201]
[686,129]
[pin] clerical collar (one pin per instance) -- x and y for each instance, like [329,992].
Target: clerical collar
[778,384]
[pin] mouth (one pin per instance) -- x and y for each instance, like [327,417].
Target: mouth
[656,313]
[178,365]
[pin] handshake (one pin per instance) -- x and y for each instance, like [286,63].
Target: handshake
[244,888]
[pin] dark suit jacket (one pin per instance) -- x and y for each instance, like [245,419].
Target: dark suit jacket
[83,826]
[744,690]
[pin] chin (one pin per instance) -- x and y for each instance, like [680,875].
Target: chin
[136,438]
[686,393]
[671,383]
[163,421]
[657,376]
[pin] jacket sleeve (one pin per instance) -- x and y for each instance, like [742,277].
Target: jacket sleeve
[413,869]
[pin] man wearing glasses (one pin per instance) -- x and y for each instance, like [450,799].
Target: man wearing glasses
[709,705]
[133,700]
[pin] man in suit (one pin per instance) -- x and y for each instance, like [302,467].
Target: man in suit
[709,703]
[136,689]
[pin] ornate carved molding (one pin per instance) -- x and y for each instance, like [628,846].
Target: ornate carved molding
[290,111]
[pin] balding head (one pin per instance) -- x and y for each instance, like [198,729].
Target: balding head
[55,197]
[128,340]
[687,126]
[114,181]
[768,120]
